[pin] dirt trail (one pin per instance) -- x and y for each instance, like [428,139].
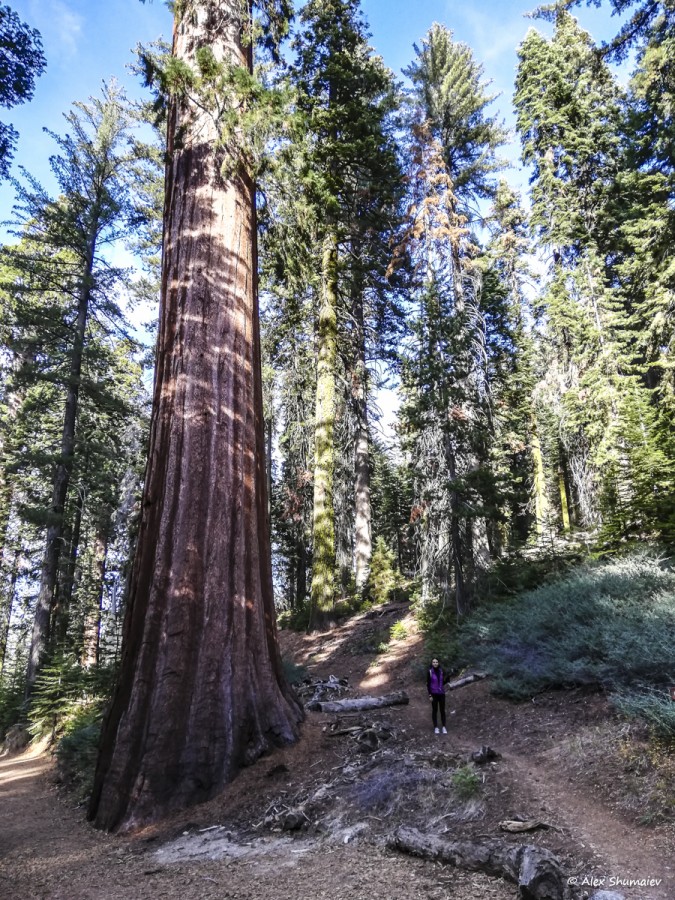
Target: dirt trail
[49,852]
[604,846]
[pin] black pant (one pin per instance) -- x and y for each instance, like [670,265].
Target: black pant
[438,702]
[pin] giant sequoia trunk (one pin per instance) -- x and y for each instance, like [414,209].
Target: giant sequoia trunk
[201,690]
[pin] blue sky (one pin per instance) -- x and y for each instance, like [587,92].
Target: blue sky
[88,41]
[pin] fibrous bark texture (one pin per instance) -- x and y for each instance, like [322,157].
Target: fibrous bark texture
[201,690]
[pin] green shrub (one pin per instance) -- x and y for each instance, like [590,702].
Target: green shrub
[653,706]
[61,689]
[610,624]
[294,673]
[58,687]
[398,631]
[444,647]
[466,782]
[295,619]
[433,615]
[77,750]
[11,703]
[516,573]
[382,575]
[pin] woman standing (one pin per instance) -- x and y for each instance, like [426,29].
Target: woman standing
[436,689]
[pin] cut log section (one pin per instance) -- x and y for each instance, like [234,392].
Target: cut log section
[361,703]
[534,869]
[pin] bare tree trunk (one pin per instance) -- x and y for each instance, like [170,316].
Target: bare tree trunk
[91,626]
[397,698]
[541,506]
[65,591]
[269,434]
[201,690]
[323,561]
[301,590]
[461,596]
[564,507]
[363,543]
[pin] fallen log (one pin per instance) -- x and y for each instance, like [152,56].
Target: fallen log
[338,706]
[516,827]
[466,679]
[534,869]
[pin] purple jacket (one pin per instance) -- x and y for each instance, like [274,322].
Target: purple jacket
[435,681]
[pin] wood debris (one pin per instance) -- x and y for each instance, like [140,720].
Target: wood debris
[469,678]
[535,870]
[516,827]
[361,703]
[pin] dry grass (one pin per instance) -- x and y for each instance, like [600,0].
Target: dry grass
[631,770]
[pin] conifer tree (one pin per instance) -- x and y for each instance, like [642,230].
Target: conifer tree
[93,170]
[440,392]
[351,179]
[449,93]
[586,209]
[511,365]
[447,409]
[22,61]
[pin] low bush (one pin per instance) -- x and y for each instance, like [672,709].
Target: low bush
[61,689]
[382,579]
[294,674]
[611,624]
[466,782]
[11,703]
[77,750]
[653,706]
[398,631]
[295,619]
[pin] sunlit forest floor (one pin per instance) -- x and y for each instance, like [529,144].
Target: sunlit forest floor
[313,820]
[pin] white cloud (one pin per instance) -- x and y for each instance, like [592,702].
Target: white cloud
[60,27]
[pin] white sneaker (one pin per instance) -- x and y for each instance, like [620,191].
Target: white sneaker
[444,730]
[436,731]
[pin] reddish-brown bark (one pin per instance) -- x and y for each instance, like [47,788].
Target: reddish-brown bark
[201,690]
